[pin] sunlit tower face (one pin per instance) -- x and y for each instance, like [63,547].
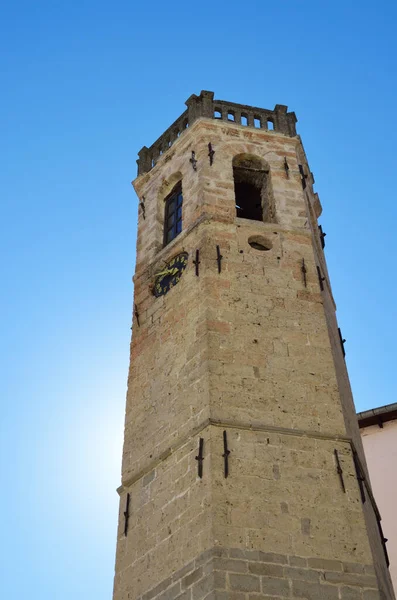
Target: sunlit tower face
[243,471]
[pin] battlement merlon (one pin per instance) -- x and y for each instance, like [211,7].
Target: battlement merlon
[205,106]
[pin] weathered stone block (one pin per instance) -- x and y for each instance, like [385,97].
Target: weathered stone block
[275,586]
[314,591]
[352,578]
[324,564]
[349,567]
[231,565]
[302,574]
[266,569]
[350,593]
[158,589]
[171,593]
[371,595]
[190,579]
[219,580]
[186,595]
[273,558]
[202,588]
[229,595]
[297,561]
[244,583]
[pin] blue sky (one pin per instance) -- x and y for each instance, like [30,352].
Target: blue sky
[84,86]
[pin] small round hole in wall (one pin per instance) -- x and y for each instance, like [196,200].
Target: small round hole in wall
[258,242]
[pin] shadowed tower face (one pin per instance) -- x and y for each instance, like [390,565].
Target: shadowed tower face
[243,474]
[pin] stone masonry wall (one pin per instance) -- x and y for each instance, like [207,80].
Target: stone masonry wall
[168,380]
[269,349]
[282,497]
[235,574]
[170,520]
[284,494]
[250,350]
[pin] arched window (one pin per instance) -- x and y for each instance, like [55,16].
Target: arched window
[173,214]
[252,188]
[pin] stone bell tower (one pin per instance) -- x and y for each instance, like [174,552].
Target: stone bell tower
[243,473]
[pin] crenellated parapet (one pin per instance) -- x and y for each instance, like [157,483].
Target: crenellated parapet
[205,106]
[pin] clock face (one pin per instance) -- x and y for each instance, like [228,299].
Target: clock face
[170,274]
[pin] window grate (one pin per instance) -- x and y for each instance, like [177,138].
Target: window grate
[173,214]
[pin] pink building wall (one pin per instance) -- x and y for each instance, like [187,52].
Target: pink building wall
[380,446]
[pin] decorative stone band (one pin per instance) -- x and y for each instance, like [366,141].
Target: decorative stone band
[231,425]
[236,574]
[204,105]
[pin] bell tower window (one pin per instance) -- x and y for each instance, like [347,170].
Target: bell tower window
[173,214]
[252,189]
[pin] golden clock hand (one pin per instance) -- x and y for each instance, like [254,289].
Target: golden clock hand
[167,272]
[156,275]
